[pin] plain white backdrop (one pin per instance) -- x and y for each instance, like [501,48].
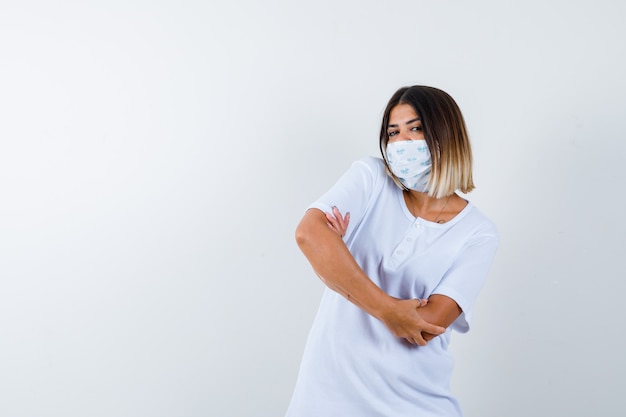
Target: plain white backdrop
[156,156]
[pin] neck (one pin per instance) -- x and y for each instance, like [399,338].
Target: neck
[422,201]
[426,207]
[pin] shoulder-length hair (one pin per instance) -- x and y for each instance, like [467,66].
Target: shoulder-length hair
[446,136]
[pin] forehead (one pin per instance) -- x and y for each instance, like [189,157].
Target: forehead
[401,114]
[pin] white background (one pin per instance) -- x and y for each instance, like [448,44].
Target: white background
[156,156]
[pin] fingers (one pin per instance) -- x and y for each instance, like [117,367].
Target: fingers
[333,224]
[433,329]
[337,222]
[332,221]
[340,219]
[405,321]
[417,340]
[346,219]
[422,302]
[420,341]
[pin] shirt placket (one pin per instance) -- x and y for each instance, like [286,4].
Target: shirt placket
[406,247]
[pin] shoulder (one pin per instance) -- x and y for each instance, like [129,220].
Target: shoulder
[375,170]
[482,227]
[375,165]
[367,175]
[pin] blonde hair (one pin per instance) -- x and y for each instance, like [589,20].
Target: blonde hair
[446,136]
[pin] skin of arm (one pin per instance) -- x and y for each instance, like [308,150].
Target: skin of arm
[333,263]
[439,309]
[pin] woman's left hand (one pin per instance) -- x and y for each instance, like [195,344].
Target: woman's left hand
[337,222]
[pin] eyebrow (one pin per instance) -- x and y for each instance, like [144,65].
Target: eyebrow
[417,119]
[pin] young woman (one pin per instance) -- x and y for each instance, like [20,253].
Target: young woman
[403,268]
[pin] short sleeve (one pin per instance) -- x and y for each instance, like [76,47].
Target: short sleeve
[354,191]
[466,276]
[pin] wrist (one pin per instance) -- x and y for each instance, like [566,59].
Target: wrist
[384,307]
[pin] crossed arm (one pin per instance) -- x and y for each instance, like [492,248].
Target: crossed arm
[319,237]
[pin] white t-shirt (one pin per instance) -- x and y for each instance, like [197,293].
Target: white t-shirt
[353,366]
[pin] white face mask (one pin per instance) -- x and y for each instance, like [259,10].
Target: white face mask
[409,160]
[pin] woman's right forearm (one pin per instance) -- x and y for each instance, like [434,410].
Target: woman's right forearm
[337,268]
[334,264]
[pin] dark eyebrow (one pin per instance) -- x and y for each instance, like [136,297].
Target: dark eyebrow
[417,119]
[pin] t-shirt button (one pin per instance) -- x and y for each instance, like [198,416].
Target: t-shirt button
[408,239]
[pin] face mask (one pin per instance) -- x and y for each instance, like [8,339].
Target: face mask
[409,160]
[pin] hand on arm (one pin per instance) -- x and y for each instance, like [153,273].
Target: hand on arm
[441,310]
[337,222]
[406,316]
[319,238]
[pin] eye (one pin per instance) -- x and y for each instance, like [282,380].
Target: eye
[392,133]
[416,128]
